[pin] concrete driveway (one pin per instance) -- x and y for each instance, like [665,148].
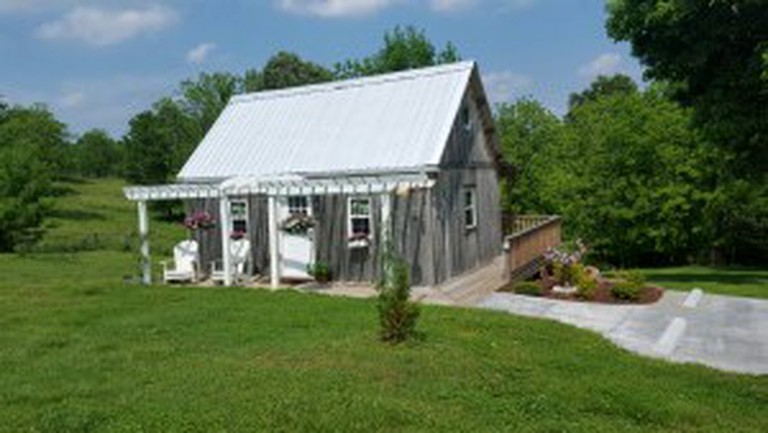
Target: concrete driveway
[724,332]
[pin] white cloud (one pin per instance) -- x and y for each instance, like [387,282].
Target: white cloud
[452,5]
[604,64]
[200,53]
[100,27]
[335,8]
[72,100]
[505,85]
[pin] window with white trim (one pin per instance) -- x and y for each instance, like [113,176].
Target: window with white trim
[359,222]
[469,201]
[298,205]
[238,216]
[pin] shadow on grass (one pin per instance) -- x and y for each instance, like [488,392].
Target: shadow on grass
[77,215]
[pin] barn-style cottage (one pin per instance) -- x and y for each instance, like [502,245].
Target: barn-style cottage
[326,173]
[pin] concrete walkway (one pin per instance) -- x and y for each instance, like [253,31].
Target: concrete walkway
[724,332]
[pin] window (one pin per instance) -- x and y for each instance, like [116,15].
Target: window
[359,224]
[466,119]
[298,205]
[238,215]
[470,208]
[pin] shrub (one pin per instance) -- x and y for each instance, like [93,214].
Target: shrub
[627,290]
[320,271]
[397,314]
[631,275]
[529,288]
[586,284]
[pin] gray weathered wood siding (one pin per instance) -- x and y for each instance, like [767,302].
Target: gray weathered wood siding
[210,240]
[466,163]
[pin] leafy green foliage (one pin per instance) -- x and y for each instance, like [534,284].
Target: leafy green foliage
[36,129]
[714,55]
[629,285]
[32,145]
[320,271]
[203,99]
[529,288]
[404,48]
[285,70]
[586,284]
[634,170]
[618,84]
[97,155]
[626,171]
[397,314]
[528,133]
[24,188]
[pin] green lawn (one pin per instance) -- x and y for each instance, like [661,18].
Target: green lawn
[82,353]
[751,282]
[84,349]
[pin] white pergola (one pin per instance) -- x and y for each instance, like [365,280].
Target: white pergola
[272,187]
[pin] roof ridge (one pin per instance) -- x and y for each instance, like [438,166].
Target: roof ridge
[329,86]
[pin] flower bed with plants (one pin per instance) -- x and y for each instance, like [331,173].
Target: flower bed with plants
[564,276]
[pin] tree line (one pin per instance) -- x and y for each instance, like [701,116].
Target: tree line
[673,173]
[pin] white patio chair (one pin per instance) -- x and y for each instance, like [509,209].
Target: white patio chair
[240,254]
[186,257]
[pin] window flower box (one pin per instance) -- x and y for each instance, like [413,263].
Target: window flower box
[359,240]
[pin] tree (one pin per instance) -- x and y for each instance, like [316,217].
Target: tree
[715,56]
[404,48]
[286,70]
[398,316]
[634,176]
[528,133]
[97,154]
[603,86]
[30,141]
[204,98]
[36,128]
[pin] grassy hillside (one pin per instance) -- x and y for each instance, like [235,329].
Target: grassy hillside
[94,215]
[84,349]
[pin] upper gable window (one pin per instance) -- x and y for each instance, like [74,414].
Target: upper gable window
[466,118]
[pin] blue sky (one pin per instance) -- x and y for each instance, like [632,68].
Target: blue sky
[96,63]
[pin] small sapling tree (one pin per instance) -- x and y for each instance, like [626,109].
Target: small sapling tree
[397,314]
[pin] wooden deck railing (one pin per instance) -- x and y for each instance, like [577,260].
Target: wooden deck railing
[532,236]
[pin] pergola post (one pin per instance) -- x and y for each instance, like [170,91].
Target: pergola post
[274,250]
[146,260]
[386,218]
[226,250]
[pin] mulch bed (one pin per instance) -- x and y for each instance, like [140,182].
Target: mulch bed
[603,293]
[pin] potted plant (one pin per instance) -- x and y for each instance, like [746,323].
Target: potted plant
[565,268]
[320,271]
[199,221]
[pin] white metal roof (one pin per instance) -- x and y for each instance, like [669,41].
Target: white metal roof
[392,122]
